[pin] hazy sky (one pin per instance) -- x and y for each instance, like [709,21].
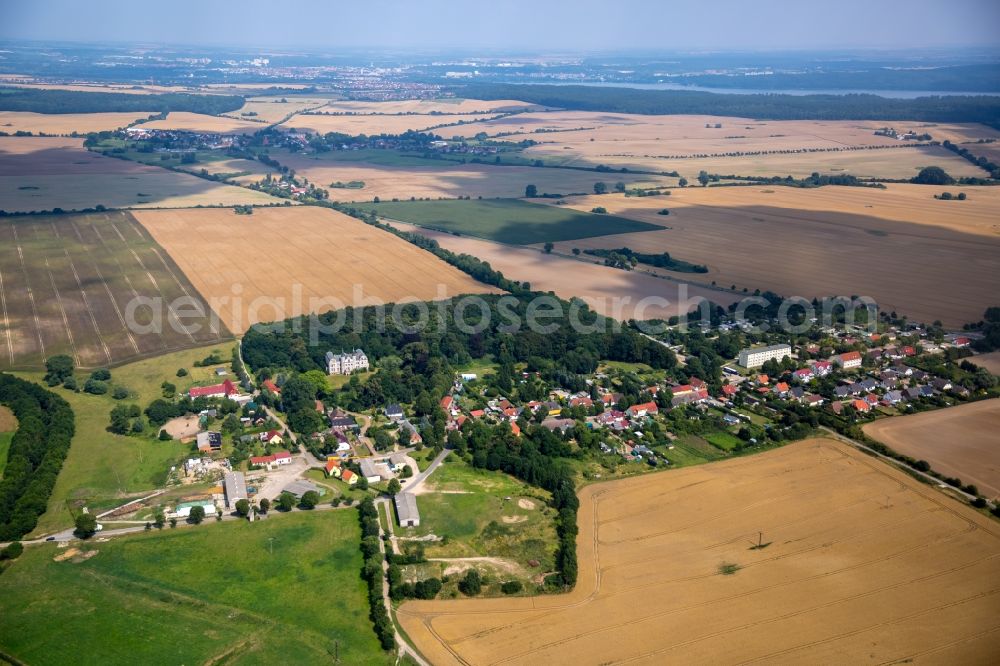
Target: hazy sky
[540,25]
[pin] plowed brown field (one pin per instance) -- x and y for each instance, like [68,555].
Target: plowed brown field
[863,564]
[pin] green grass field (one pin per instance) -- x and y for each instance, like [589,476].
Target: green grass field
[210,594]
[102,467]
[723,440]
[506,220]
[471,516]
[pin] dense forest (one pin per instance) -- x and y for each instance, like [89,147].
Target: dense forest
[72,101]
[969,109]
[37,451]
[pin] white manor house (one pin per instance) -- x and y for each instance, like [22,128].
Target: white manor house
[346,363]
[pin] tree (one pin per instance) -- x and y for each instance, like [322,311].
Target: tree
[576,252]
[182,372]
[95,387]
[600,187]
[158,520]
[57,369]
[933,175]
[362,483]
[286,501]
[120,393]
[471,584]
[165,436]
[86,525]
[619,186]
[394,487]
[703,178]
[265,505]
[548,248]
[530,192]
[242,508]
[197,515]
[511,587]
[309,500]
[173,523]
[683,182]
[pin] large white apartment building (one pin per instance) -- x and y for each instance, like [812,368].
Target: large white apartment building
[758,356]
[346,363]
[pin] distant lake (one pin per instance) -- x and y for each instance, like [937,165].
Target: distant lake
[894,94]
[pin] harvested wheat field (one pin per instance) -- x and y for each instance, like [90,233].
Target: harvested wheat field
[609,291]
[960,442]
[66,123]
[989,361]
[69,284]
[43,173]
[427,106]
[829,241]
[267,110]
[449,179]
[379,124]
[285,261]
[862,564]
[740,146]
[200,122]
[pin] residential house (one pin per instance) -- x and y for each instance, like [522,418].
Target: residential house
[394,412]
[271,386]
[272,437]
[332,467]
[209,441]
[642,410]
[349,477]
[848,360]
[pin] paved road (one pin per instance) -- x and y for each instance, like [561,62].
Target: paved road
[415,482]
[898,463]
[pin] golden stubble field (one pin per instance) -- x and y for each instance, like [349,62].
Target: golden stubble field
[286,261]
[609,291]
[922,257]
[450,179]
[691,143]
[273,109]
[960,442]
[66,123]
[378,123]
[863,564]
[42,173]
[427,106]
[200,122]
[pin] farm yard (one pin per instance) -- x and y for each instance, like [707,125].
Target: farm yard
[104,470]
[819,242]
[66,123]
[507,221]
[293,595]
[609,291]
[66,283]
[741,561]
[958,442]
[44,173]
[286,261]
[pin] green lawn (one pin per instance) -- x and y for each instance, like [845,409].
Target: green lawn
[471,516]
[209,594]
[101,467]
[723,440]
[506,220]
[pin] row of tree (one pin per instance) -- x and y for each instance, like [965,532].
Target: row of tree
[37,451]
[372,573]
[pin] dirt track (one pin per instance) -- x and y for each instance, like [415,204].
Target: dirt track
[863,564]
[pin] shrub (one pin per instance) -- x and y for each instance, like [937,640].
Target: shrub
[471,584]
[511,587]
